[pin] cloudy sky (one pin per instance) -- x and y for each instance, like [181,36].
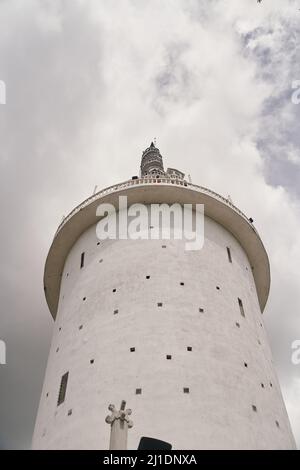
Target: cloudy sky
[89,83]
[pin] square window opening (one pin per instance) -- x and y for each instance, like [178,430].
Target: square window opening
[242,311]
[62,388]
[229,254]
[82,260]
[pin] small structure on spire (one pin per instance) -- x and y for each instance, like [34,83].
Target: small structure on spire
[152,162]
[152,165]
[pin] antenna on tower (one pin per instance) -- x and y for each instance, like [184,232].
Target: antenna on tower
[189,178]
[95,189]
[154,141]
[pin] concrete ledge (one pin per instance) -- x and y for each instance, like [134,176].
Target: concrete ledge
[215,207]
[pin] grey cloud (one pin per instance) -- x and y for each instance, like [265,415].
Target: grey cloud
[81,106]
[277,52]
[54,88]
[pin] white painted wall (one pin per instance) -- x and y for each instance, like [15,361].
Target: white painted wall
[217,413]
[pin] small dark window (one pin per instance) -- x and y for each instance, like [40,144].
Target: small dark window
[258,341]
[67,274]
[201,310]
[114,290]
[271,385]
[116,311]
[241,307]
[254,408]
[92,361]
[159,304]
[189,348]
[62,388]
[47,394]
[245,364]
[168,356]
[84,298]
[186,390]
[229,255]
[262,385]
[59,329]
[80,327]
[100,260]
[69,412]
[138,391]
[98,243]
[82,260]
[237,324]
[217,287]
[182,283]
[164,246]
[147,277]
[277,424]
[57,349]
[132,349]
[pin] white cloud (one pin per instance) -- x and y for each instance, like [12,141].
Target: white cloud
[94,84]
[293,155]
[291,396]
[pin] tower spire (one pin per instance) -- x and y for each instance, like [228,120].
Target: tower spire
[152,162]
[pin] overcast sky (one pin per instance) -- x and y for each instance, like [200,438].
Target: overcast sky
[89,84]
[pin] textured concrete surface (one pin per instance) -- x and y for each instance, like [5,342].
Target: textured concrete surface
[141,191]
[234,399]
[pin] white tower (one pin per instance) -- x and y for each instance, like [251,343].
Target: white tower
[177,334]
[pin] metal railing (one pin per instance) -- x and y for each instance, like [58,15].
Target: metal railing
[150,180]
